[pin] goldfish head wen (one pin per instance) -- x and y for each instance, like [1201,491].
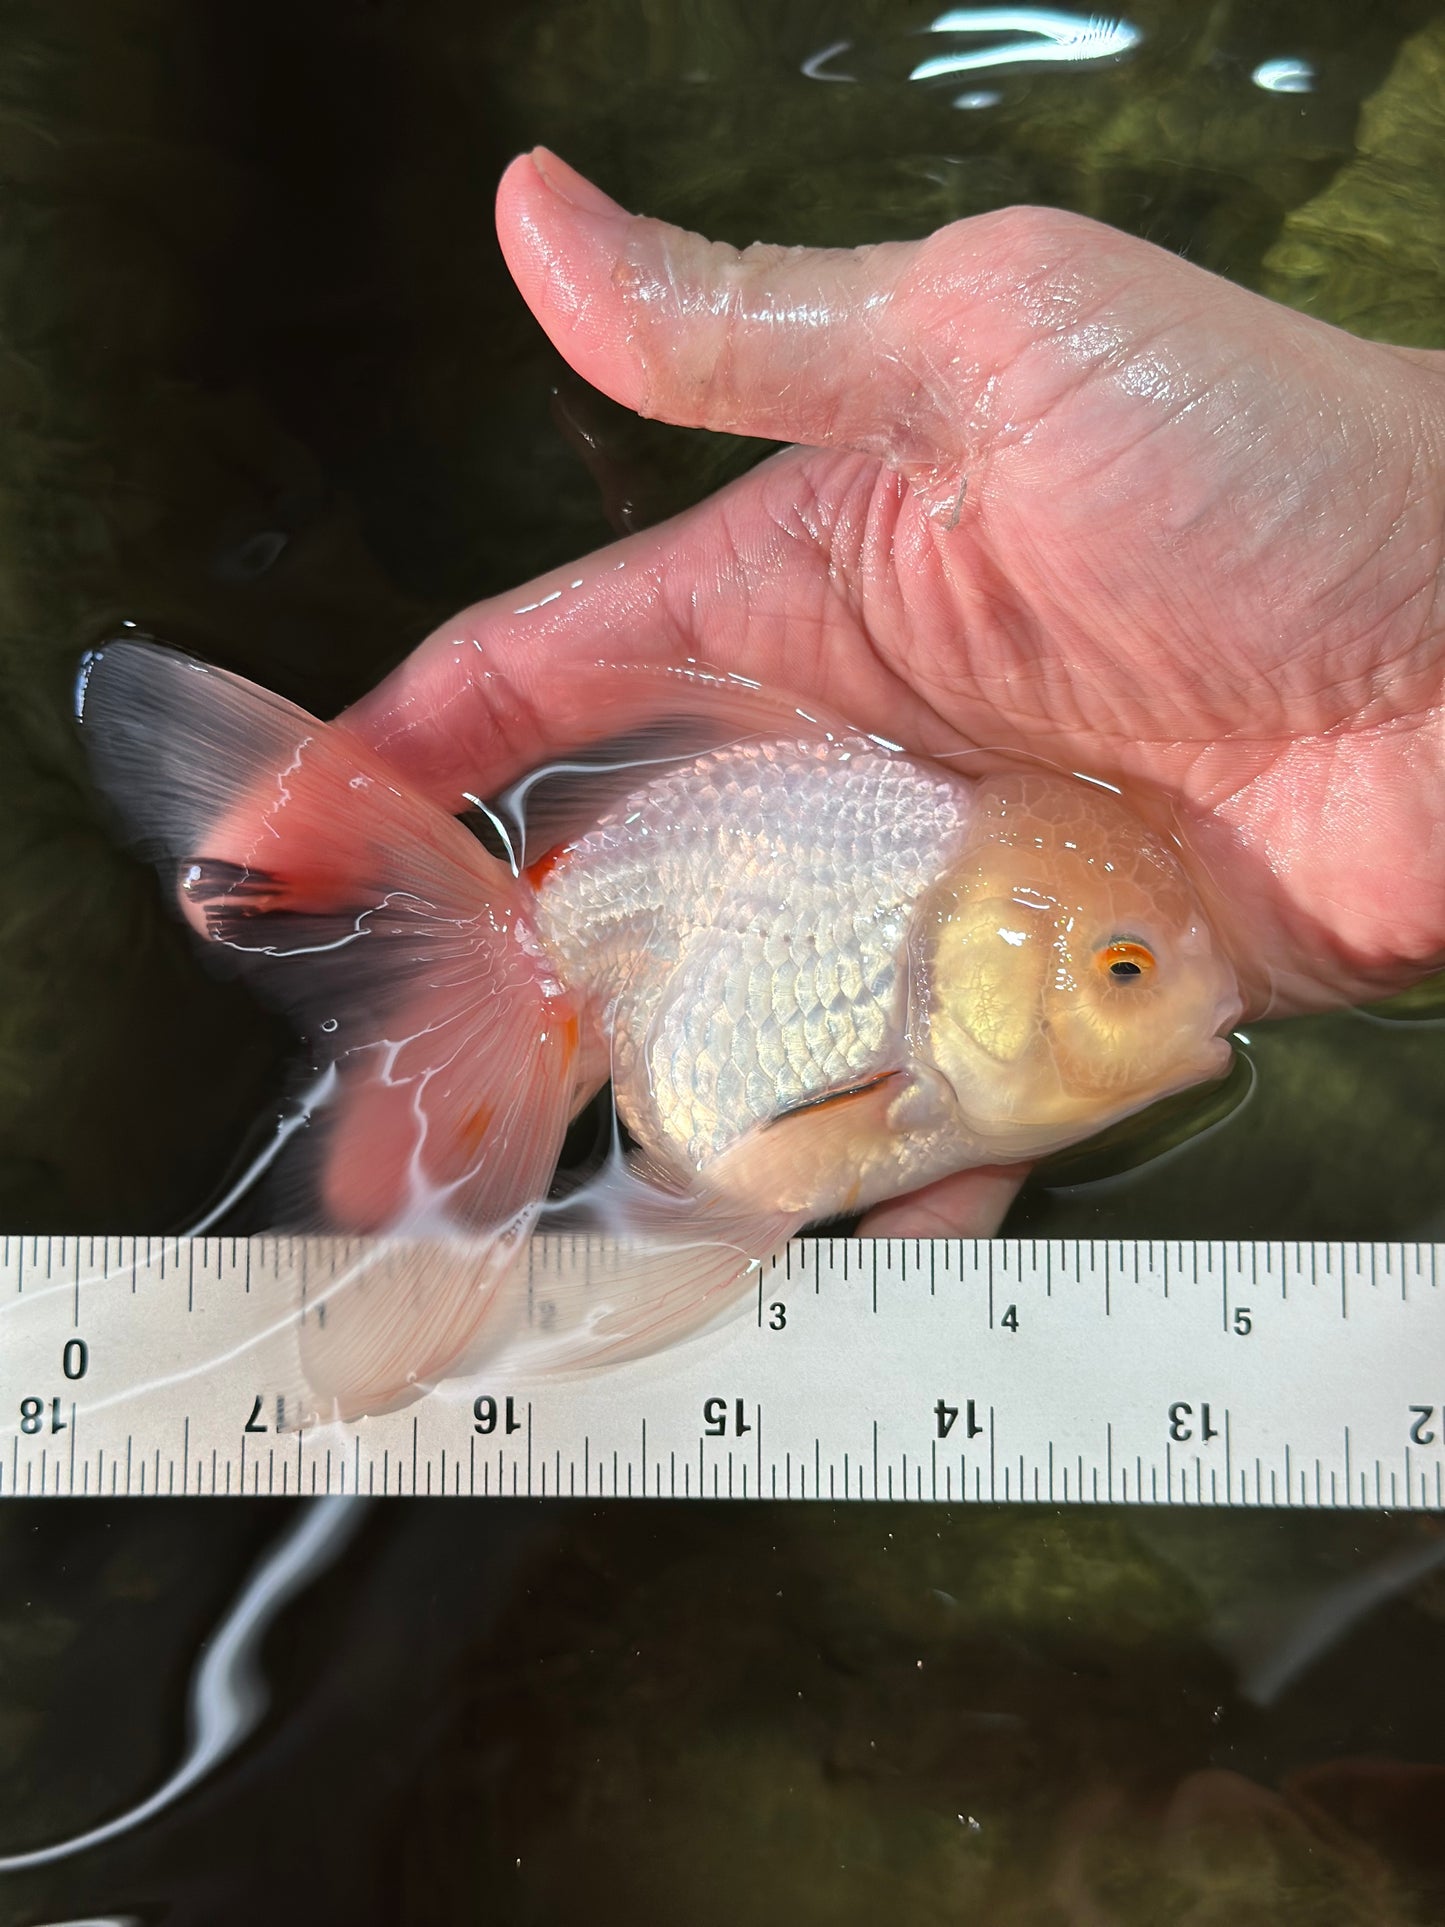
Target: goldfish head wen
[1065,972]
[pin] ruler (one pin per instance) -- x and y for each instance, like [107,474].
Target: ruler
[1062,1373]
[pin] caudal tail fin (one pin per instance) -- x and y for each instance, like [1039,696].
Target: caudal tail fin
[400,949]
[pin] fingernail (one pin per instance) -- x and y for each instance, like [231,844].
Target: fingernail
[572,186]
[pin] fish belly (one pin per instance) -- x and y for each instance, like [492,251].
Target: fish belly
[740,925]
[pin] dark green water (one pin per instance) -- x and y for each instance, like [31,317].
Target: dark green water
[267,390]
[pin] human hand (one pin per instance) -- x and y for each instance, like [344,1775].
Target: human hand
[1064,494]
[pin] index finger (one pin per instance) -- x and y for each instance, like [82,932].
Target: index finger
[737,584]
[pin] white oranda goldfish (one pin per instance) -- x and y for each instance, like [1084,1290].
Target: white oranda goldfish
[817,971]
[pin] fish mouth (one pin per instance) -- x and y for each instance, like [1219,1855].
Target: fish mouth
[1215,1054]
[1228,1012]
[1218,1055]
[1211,1058]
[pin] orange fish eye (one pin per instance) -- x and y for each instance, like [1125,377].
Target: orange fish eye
[1124,961]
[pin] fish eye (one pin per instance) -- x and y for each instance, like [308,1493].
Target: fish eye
[1124,960]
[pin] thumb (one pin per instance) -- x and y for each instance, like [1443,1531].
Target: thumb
[866,348]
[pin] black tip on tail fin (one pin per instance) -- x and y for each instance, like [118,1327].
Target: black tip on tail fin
[397,944]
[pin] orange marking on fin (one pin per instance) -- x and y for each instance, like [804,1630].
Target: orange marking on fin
[537,873]
[571,1034]
[566,1034]
[477,1125]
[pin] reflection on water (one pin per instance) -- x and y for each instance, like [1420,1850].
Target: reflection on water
[987,37]
[268,393]
[1284,76]
[1022,37]
[764,1713]
[227,1695]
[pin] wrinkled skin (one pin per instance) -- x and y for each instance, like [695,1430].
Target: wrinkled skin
[1062,493]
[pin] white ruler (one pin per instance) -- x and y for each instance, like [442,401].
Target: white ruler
[1185,1374]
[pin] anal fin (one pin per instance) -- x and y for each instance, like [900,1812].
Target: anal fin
[633,1265]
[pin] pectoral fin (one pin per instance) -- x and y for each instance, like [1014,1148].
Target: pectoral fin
[642,1265]
[818,1158]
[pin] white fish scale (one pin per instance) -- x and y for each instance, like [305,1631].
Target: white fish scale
[743,921]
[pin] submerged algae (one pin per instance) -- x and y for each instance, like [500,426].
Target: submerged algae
[1001,1715]
[1365,253]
